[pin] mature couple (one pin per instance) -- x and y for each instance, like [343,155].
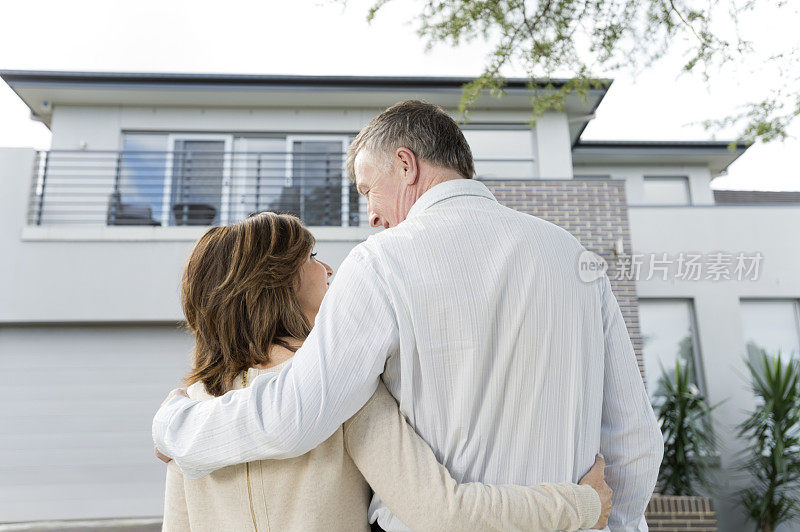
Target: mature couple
[457,366]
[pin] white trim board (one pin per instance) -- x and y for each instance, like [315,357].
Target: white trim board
[95,233]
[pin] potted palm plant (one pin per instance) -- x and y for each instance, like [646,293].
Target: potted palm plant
[689,451]
[773,431]
[689,444]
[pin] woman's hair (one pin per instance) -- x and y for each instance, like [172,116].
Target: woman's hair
[239,295]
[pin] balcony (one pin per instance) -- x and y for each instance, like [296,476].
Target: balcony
[201,187]
[191,187]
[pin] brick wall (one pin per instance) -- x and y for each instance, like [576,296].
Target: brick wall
[671,513]
[596,213]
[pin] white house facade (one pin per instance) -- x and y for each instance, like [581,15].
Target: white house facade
[96,230]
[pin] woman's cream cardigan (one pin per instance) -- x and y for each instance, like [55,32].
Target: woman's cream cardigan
[328,488]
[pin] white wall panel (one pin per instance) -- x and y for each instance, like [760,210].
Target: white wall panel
[75,426]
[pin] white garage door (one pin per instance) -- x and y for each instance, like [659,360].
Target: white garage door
[77,404]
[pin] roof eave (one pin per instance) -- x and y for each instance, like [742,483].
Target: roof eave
[262,80]
[717,155]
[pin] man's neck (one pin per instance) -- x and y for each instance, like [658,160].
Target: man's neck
[437,179]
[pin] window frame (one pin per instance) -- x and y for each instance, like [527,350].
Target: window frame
[756,299]
[227,167]
[699,367]
[685,180]
[345,183]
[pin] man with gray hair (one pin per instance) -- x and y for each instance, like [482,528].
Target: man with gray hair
[512,368]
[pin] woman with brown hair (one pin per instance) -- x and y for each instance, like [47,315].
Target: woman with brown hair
[251,292]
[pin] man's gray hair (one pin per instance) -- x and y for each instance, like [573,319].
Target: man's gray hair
[423,128]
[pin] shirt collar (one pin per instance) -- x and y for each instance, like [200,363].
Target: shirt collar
[449,189]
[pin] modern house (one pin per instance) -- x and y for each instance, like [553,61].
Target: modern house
[95,232]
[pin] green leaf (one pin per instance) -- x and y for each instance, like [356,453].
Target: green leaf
[773,430]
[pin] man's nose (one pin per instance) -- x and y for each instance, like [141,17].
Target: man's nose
[375,220]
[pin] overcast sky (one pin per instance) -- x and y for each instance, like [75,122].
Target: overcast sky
[326,38]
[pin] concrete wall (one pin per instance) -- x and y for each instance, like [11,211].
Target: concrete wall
[770,230]
[553,147]
[699,179]
[503,154]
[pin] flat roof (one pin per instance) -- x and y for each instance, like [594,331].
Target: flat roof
[261,80]
[716,154]
[660,144]
[43,90]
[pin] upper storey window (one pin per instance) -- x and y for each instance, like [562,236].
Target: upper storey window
[666,190]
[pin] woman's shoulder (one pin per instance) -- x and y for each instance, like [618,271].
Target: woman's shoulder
[198,392]
[379,406]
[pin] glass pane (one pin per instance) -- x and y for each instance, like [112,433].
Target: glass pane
[317,181]
[139,198]
[771,326]
[197,181]
[666,191]
[667,335]
[259,175]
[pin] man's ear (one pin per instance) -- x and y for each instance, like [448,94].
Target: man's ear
[408,165]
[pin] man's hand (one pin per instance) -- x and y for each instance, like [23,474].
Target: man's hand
[595,479]
[161,456]
[177,391]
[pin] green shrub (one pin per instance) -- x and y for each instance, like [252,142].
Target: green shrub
[773,432]
[689,443]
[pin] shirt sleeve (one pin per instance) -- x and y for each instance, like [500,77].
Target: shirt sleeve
[287,414]
[402,469]
[176,512]
[631,440]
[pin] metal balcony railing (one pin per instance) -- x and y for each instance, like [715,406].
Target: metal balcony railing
[159,188]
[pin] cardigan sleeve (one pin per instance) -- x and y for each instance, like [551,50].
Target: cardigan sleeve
[404,472]
[176,512]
